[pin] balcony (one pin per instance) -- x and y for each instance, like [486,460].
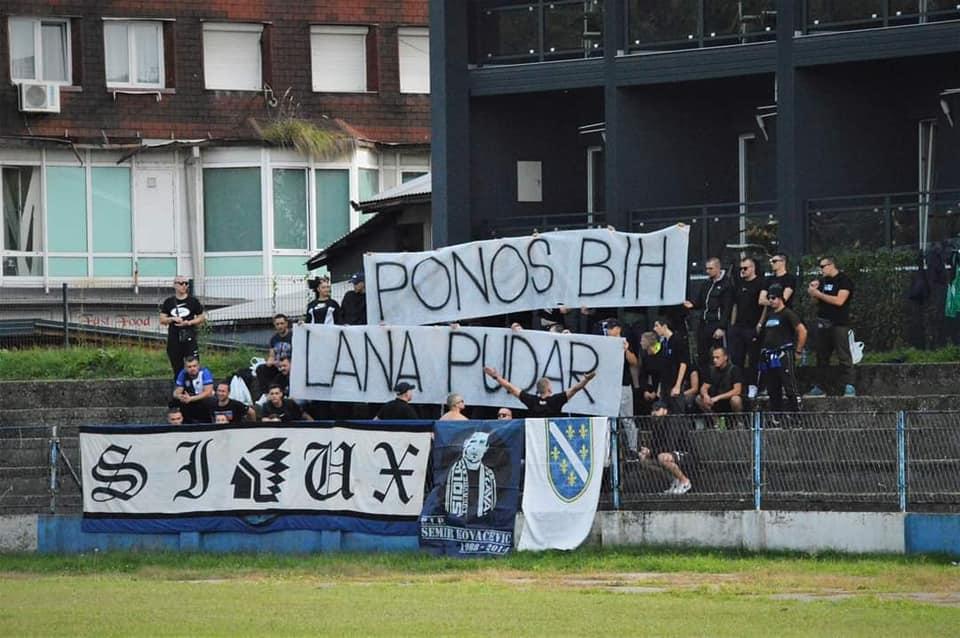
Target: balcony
[667,25]
[520,32]
[847,15]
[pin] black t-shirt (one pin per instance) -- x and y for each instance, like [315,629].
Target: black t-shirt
[780,329]
[397,409]
[186,309]
[673,352]
[627,377]
[668,434]
[748,306]
[282,346]
[786,280]
[722,381]
[539,408]
[327,311]
[288,410]
[354,308]
[839,315]
[235,411]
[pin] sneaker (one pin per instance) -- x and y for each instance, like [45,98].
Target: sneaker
[849,391]
[683,488]
[751,392]
[815,391]
[673,487]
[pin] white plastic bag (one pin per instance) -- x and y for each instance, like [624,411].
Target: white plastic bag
[856,349]
[239,391]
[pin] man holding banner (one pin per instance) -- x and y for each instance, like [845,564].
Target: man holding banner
[545,403]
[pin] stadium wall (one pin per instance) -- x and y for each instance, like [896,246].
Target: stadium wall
[848,532]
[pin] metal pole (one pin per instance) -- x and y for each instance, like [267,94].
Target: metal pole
[902,459]
[54,466]
[615,463]
[757,443]
[66,316]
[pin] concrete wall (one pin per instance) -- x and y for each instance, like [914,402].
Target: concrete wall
[848,532]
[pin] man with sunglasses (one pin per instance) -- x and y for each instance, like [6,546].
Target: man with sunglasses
[746,322]
[780,277]
[833,291]
[181,313]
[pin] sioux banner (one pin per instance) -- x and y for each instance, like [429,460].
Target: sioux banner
[364,363]
[595,268]
[562,479]
[365,477]
[476,488]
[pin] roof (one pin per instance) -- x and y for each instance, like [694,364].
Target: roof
[416,191]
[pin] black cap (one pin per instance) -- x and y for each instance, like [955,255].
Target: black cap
[775,291]
[403,387]
[357,277]
[613,323]
[659,405]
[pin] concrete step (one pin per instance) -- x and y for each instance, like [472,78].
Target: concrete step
[30,422]
[887,379]
[877,403]
[85,393]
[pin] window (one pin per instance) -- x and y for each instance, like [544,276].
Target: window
[290,208]
[333,205]
[134,54]
[21,220]
[40,50]
[338,58]
[231,210]
[369,183]
[414,60]
[231,56]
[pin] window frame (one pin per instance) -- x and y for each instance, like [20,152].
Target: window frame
[362,32]
[37,24]
[234,27]
[417,32]
[131,55]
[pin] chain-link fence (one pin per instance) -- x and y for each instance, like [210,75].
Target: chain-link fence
[880,461]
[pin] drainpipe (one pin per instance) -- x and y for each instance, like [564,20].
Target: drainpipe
[193,173]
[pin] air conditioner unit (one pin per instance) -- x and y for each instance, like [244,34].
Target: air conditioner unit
[39,97]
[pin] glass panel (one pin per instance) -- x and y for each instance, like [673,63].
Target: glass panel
[21,208]
[840,11]
[942,10]
[22,50]
[231,209]
[509,32]
[654,21]
[411,175]
[118,55]
[147,46]
[369,183]
[66,210]
[848,229]
[67,266]
[758,17]
[230,266]
[333,206]
[721,19]
[563,27]
[290,208]
[289,265]
[905,225]
[112,229]
[157,267]
[19,266]
[112,267]
[54,38]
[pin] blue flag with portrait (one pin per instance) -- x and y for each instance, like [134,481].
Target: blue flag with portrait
[471,508]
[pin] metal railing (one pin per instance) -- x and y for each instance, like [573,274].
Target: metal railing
[537,31]
[864,461]
[829,15]
[713,227]
[520,225]
[665,25]
[861,461]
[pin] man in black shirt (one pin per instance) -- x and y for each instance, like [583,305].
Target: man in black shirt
[722,389]
[670,449]
[714,305]
[672,361]
[280,409]
[353,306]
[613,328]
[778,264]
[746,322]
[235,411]
[181,313]
[280,346]
[833,292]
[545,403]
[399,408]
[322,309]
[783,335]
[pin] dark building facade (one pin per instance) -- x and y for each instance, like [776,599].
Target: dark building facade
[810,125]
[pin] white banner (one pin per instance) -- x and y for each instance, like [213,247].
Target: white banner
[190,470]
[364,363]
[561,484]
[594,268]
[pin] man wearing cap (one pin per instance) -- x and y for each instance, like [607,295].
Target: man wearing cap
[545,403]
[783,335]
[353,306]
[400,407]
